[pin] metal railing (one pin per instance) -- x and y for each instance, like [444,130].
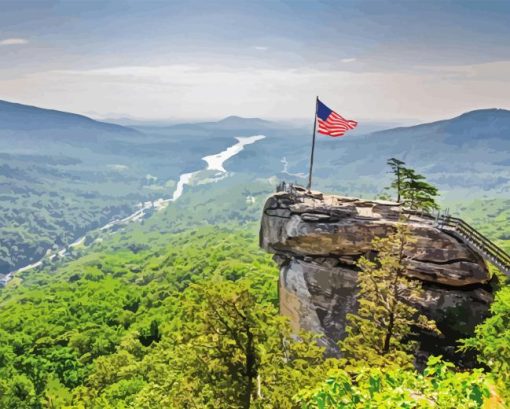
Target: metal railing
[472,237]
[485,247]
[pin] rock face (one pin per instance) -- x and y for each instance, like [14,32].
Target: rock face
[316,240]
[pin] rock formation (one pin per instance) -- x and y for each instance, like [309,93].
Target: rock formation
[316,240]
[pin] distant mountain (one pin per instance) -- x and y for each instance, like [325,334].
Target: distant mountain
[25,118]
[474,125]
[468,154]
[230,122]
[237,122]
[464,156]
[63,174]
[134,122]
[234,124]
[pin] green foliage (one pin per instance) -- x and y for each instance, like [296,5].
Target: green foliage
[492,340]
[490,216]
[79,330]
[228,349]
[378,332]
[411,188]
[131,322]
[439,386]
[43,207]
[417,194]
[59,189]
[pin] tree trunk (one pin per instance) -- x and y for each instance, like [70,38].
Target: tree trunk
[398,184]
[394,308]
[389,334]
[251,372]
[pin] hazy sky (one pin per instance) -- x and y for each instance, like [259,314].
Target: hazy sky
[209,59]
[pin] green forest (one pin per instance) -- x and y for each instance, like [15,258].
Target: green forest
[273,204]
[181,311]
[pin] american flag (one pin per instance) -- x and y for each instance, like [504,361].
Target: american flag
[332,124]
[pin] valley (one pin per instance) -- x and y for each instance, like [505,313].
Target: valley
[272,204]
[74,185]
[109,317]
[214,165]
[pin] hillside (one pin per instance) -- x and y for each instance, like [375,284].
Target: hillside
[71,174]
[18,117]
[116,322]
[466,156]
[181,229]
[470,127]
[111,328]
[63,175]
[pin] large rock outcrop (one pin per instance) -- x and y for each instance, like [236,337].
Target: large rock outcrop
[317,239]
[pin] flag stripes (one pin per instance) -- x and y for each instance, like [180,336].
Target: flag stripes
[330,123]
[335,125]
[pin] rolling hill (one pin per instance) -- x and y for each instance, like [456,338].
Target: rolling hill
[18,117]
[473,126]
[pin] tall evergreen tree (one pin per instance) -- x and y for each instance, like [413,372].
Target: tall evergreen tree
[417,194]
[379,331]
[411,188]
[396,167]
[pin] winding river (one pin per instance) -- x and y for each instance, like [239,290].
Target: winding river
[214,172]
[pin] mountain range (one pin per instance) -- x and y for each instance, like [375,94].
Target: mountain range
[62,174]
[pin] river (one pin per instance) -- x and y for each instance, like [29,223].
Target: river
[214,172]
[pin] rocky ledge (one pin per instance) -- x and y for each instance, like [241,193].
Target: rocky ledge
[316,240]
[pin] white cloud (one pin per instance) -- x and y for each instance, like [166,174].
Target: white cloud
[348,60]
[199,91]
[13,41]
[493,71]
[261,48]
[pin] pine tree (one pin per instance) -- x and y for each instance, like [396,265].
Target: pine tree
[411,188]
[417,194]
[396,167]
[379,332]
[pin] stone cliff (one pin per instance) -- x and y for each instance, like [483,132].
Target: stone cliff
[316,240]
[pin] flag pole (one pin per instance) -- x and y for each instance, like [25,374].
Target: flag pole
[313,144]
